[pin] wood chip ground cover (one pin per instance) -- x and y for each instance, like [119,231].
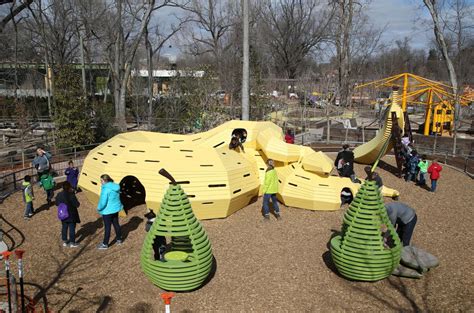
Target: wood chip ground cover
[277,266]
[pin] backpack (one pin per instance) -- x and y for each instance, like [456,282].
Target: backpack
[63,213]
[47,182]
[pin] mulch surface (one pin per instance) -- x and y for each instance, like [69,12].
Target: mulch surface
[277,266]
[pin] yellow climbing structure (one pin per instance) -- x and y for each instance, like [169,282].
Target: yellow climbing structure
[217,180]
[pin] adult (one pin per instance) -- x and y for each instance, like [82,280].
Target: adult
[270,189]
[289,137]
[42,162]
[68,197]
[109,207]
[344,163]
[404,218]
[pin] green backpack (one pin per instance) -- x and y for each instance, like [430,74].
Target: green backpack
[47,182]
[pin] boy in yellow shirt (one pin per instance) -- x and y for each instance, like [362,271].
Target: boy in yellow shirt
[270,189]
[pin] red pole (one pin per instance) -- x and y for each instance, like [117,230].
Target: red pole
[6,256]
[167,296]
[19,254]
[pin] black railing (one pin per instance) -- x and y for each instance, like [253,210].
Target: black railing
[12,181]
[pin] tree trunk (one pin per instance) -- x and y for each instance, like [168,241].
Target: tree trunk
[150,78]
[245,69]
[343,51]
[449,64]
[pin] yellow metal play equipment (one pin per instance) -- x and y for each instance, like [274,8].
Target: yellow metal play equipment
[367,153]
[436,96]
[217,179]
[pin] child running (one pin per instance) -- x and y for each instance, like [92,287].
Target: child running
[28,197]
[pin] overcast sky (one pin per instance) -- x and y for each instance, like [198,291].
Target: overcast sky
[402,18]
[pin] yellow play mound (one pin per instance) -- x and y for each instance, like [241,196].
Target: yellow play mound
[217,180]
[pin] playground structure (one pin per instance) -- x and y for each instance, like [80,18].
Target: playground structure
[436,96]
[359,252]
[396,124]
[188,261]
[218,180]
[394,120]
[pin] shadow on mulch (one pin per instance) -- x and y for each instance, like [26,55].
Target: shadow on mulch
[327,259]
[131,225]
[89,229]
[389,168]
[44,207]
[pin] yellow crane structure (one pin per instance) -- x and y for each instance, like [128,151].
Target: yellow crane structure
[436,96]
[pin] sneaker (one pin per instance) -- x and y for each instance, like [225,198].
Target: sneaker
[278,217]
[73,245]
[119,241]
[26,217]
[266,218]
[30,215]
[102,246]
[65,244]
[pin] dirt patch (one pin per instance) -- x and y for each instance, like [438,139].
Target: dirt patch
[275,266]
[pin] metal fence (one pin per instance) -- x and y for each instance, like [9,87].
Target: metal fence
[11,181]
[17,161]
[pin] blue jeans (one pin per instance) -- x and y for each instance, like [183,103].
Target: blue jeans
[72,232]
[410,176]
[49,195]
[422,180]
[433,185]
[29,209]
[266,202]
[405,231]
[109,220]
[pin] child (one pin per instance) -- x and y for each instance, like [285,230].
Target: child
[289,137]
[72,174]
[388,242]
[412,166]
[270,189]
[28,196]
[47,182]
[423,166]
[159,244]
[434,170]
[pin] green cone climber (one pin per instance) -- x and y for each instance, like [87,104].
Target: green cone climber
[359,253]
[188,260]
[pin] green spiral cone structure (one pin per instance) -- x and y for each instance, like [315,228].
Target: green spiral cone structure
[359,253]
[188,259]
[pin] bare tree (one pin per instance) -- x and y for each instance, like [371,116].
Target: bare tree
[211,24]
[293,29]
[125,27]
[160,37]
[438,32]
[16,8]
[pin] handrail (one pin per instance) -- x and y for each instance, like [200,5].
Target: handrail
[18,160]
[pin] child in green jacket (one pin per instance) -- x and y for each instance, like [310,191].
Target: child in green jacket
[423,165]
[270,189]
[47,182]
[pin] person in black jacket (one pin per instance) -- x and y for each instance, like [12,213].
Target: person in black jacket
[344,163]
[68,197]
